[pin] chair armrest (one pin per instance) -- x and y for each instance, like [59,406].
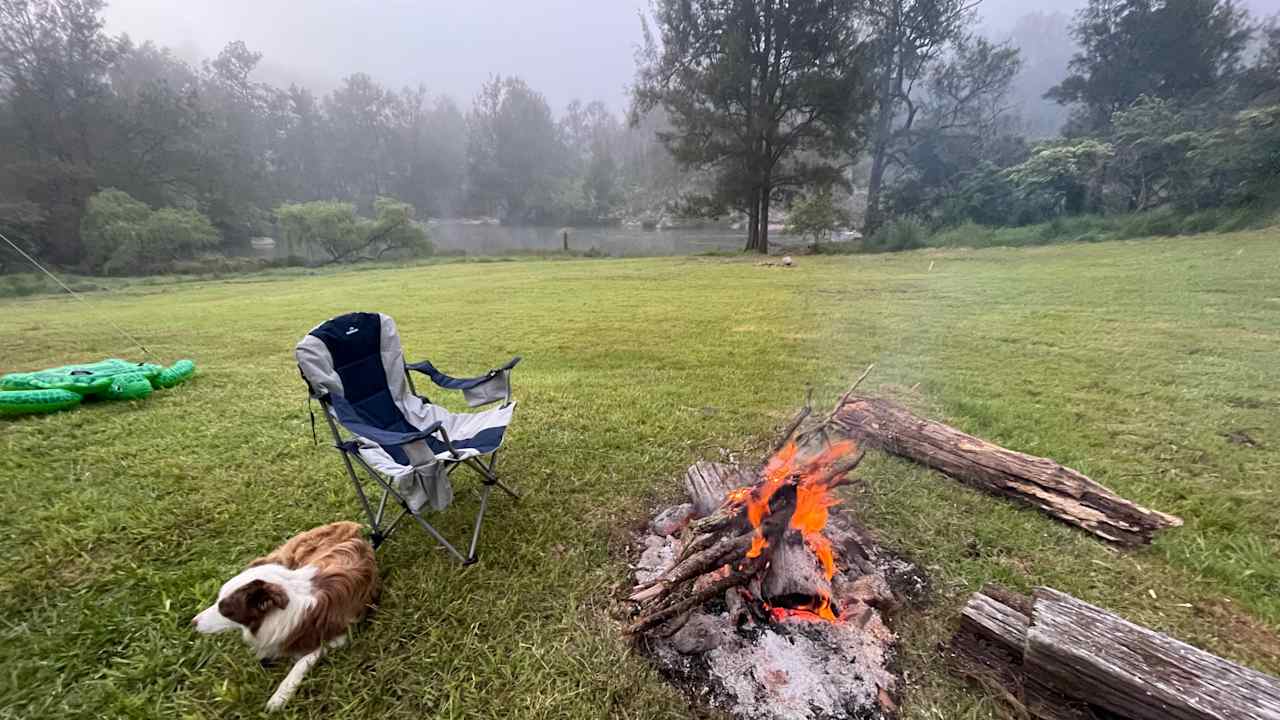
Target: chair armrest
[449,382]
[352,420]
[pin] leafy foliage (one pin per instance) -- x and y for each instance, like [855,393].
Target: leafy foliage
[1171,49]
[335,229]
[905,233]
[816,216]
[1064,178]
[124,236]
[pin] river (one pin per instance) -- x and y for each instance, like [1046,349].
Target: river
[471,238]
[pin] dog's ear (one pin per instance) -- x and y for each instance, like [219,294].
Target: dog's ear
[250,603]
[267,596]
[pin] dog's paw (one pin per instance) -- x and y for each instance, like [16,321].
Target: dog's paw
[276,703]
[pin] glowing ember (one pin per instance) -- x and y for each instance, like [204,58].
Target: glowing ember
[823,613]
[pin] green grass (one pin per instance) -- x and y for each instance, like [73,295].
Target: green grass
[1163,222]
[1127,360]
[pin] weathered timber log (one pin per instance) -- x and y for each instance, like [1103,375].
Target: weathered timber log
[988,649]
[794,577]
[708,482]
[1059,491]
[1054,657]
[1136,672]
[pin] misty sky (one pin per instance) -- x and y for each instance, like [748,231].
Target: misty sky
[564,48]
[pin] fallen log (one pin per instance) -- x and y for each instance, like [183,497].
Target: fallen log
[1139,673]
[988,649]
[1054,657]
[1059,491]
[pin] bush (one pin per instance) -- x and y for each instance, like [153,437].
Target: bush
[1157,223]
[335,229]
[901,234]
[123,236]
[969,234]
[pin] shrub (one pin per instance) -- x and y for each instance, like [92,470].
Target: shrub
[901,234]
[969,234]
[335,229]
[124,236]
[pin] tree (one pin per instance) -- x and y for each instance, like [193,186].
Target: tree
[768,94]
[54,60]
[816,216]
[428,152]
[335,229]
[150,142]
[909,35]
[360,116]
[957,119]
[515,155]
[591,134]
[1171,49]
[1261,82]
[237,143]
[1151,141]
[1066,178]
[1045,46]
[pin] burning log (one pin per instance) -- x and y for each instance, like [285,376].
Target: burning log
[795,578]
[1053,657]
[1059,491]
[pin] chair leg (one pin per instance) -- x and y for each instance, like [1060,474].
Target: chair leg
[374,520]
[440,539]
[475,532]
[379,534]
[490,475]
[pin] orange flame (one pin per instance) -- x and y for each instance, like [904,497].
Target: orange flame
[813,500]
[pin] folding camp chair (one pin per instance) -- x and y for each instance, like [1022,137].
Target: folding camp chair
[354,366]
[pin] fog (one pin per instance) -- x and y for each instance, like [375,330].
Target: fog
[567,49]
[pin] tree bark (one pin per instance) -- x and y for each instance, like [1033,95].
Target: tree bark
[753,221]
[883,127]
[1059,491]
[763,246]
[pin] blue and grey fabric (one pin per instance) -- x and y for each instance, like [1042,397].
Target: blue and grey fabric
[354,365]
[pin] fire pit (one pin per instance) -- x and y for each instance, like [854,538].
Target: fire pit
[760,597]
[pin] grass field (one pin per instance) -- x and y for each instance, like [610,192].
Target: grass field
[1129,361]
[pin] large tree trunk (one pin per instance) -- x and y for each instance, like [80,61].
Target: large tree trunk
[880,141]
[763,246]
[1058,491]
[753,222]
[1054,657]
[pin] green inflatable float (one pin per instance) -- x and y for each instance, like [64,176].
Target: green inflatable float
[64,387]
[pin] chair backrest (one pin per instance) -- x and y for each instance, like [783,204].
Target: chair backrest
[358,356]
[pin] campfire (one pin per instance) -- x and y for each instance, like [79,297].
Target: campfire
[761,597]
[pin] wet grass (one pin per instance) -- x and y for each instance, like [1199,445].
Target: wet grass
[1133,362]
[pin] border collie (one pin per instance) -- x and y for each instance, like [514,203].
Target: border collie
[299,600]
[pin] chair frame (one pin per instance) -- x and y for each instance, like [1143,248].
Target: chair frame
[350,448]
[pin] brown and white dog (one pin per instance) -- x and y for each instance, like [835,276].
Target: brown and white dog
[298,600]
